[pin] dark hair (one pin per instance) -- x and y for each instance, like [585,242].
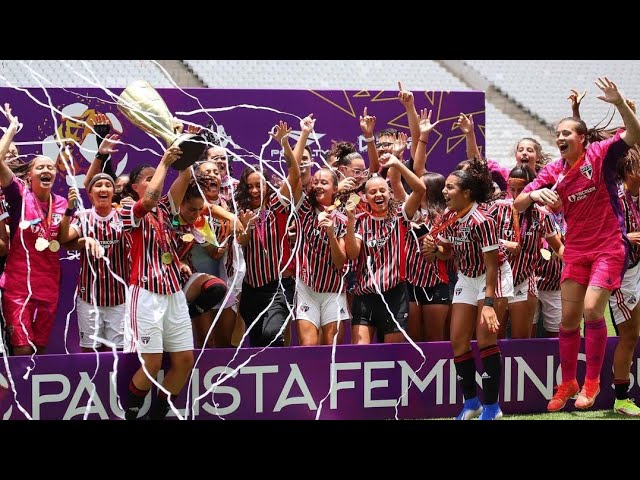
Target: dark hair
[19,168]
[118,196]
[308,149]
[242,190]
[629,164]
[523,172]
[134,176]
[312,198]
[434,182]
[346,160]
[340,149]
[193,189]
[476,178]
[392,132]
[542,157]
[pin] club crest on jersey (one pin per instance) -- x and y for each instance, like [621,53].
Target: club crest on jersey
[586,170]
[145,339]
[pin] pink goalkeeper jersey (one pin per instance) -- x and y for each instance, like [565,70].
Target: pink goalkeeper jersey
[589,195]
[45,265]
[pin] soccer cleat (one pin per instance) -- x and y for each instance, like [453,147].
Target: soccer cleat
[564,392]
[588,394]
[470,410]
[491,412]
[626,407]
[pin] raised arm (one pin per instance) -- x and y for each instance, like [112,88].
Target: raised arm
[105,149]
[179,186]
[575,99]
[352,243]
[367,126]
[292,182]
[154,190]
[6,175]
[466,125]
[412,204]
[307,125]
[407,100]
[67,234]
[611,94]
[420,153]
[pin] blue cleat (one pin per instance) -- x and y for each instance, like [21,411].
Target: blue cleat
[491,412]
[470,410]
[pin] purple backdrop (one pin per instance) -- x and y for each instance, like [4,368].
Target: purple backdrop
[290,383]
[44,112]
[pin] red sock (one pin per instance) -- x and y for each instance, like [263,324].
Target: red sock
[569,347]
[595,333]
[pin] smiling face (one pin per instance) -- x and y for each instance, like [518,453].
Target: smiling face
[323,187]
[455,197]
[356,170]
[378,195]
[210,170]
[569,141]
[257,189]
[101,196]
[42,174]
[527,153]
[218,156]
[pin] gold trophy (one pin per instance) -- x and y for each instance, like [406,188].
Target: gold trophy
[144,107]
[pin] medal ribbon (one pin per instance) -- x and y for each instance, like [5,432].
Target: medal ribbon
[159,227]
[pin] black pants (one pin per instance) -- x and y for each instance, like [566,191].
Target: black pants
[252,303]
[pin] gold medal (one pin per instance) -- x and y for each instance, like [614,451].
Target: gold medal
[24,224]
[354,198]
[167,258]
[41,244]
[546,254]
[54,246]
[188,238]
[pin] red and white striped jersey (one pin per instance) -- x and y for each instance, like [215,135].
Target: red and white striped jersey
[102,285]
[268,248]
[383,255]
[549,272]
[471,236]
[630,222]
[532,231]
[423,273]
[316,267]
[147,269]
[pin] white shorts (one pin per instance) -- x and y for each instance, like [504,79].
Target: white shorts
[550,307]
[156,323]
[320,308]
[469,290]
[521,292]
[625,299]
[103,322]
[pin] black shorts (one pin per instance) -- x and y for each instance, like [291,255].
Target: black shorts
[370,310]
[436,295]
[289,285]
